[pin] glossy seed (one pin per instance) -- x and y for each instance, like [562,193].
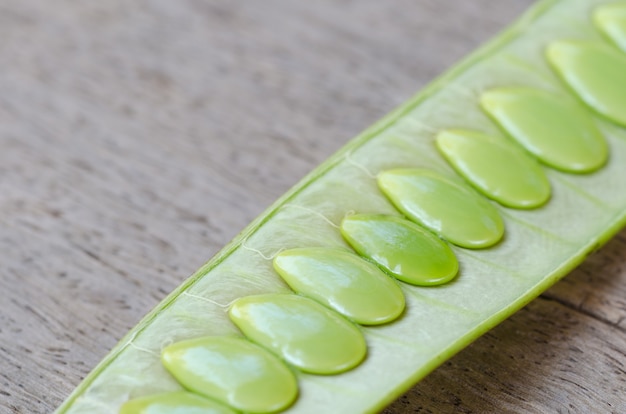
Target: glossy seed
[233,371]
[342,281]
[449,208]
[596,72]
[407,251]
[180,402]
[610,19]
[304,333]
[557,130]
[497,168]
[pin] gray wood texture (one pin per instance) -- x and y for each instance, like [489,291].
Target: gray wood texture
[137,138]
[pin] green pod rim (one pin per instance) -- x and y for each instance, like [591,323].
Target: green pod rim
[600,237]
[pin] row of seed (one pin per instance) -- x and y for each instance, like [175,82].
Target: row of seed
[316,331]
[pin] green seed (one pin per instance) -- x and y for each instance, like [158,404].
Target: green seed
[596,72]
[342,281]
[232,371]
[610,19]
[557,130]
[496,168]
[181,402]
[303,332]
[402,248]
[449,208]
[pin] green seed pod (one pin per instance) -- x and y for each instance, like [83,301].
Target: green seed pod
[548,228]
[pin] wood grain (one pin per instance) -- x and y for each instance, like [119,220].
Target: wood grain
[137,138]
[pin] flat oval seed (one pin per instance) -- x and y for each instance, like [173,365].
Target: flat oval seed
[558,131]
[496,168]
[450,209]
[596,72]
[180,402]
[404,249]
[342,281]
[610,19]
[233,371]
[304,333]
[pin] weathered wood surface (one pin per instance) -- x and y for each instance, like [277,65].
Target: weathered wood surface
[137,138]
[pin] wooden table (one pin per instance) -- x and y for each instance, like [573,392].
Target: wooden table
[137,138]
